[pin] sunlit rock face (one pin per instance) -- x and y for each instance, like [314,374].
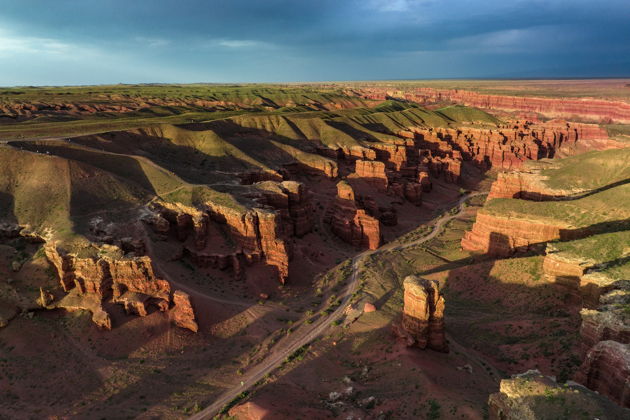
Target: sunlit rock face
[531,396]
[129,281]
[423,314]
[586,108]
[351,224]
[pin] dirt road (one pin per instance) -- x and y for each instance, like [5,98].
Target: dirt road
[308,333]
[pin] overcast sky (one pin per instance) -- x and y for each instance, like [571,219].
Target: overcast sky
[44,42]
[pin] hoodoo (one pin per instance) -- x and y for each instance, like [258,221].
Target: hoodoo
[423,314]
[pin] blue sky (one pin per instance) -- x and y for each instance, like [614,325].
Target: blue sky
[44,42]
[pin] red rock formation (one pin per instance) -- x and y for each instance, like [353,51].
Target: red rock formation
[583,108]
[300,208]
[182,312]
[413,192]
[357,152]
[184,219]
[509,146]
[531,396]
[369,307]
[580,276]
[292,201]
[351,224]
[256,233]
[606,369]
[601,325]
[373,172]
[423,313]
[94,280]
[425,181]
[514,185]
[500,236]
[328,168]
[274,248]
[395,155]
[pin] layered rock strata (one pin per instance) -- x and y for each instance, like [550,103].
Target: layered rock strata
[255,234]
[372,172]
[501,236]
[606,369]
[423,314]
[585,108]
[605,345]
[108,276]
[350,223]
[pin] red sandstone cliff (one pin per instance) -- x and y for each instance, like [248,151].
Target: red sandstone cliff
[423,314]
[351,224]
[501,236]
[372,172]
[583,108]
[256,233]
[109,276]
[532,396]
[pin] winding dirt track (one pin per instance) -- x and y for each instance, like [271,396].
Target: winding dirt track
[307,333]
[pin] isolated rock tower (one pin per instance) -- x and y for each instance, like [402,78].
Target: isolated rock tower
[423,314]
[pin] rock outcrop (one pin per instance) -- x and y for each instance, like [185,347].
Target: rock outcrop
[507,147]
[372,171]
[591,263]
[584,108]
[423,314]
[351,224]
[501,236]
[107,275]
[255,234]
[605,345]
[532,396]
[526,185]
[182,312]
[606,369]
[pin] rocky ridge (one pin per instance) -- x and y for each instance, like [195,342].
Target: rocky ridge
[591,109]
[532,396]
[591,263]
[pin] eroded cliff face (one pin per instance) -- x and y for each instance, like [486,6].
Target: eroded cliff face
[578,275]
[606,369]
[591,109]
[372,172]
[501,236]
[508,146]
[351,224]
[605,345]
[423,314]
[253,235]
[108,276]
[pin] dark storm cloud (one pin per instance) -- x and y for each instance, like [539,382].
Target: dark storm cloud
[65,41]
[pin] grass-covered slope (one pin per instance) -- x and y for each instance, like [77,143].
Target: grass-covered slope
[58,185]
[585,172]
[27,112]
[610,205]
[610,251]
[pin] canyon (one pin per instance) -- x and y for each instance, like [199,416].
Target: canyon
[585,257]
[590,109]
[337,216]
